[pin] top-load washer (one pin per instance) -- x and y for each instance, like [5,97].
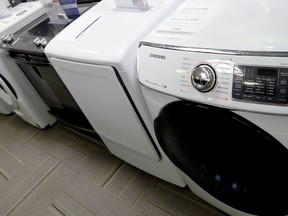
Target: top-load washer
[16,91]
[215,80]
[95,56]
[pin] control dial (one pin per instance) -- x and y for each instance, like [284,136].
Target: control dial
[203,78]
[6,39]
[40,42]
[37,41]
[43,42]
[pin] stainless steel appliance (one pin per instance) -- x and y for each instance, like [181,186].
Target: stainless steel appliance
[26,48]
[15,89]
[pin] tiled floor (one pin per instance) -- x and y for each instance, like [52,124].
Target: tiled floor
[57,172]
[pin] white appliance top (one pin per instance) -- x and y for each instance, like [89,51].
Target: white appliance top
[108,35]
[247,25]
[5,3]
[21,15]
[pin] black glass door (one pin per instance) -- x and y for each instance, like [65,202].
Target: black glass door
[226,155]
[52,90]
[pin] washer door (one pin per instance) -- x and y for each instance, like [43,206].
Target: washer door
[7,93]
[228,156]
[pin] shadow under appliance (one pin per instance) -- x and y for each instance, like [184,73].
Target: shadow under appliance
[15,89]
[27,51]
[219,101]
[99,69]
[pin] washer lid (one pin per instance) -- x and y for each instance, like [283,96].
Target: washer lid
[258,25]
[21,15]
[108,35]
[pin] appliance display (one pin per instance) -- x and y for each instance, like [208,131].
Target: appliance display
[16,90]
[266,85]
[99,69]
[217,93]
[26,49]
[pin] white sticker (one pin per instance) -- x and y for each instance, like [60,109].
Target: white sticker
[189,19]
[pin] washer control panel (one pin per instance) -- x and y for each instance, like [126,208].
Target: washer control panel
[253,82]
[260,84]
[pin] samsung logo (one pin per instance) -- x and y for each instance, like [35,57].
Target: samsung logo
[157,56]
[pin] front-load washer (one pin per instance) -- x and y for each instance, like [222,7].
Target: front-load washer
[215,81]
[16,91]
[95,56]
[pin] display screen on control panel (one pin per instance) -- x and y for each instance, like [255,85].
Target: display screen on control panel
[260,84]
[267,72]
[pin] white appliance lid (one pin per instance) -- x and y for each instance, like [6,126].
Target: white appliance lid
[21,15]
[108,35]
[250,25]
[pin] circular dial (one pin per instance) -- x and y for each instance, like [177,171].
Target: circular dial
[203,78]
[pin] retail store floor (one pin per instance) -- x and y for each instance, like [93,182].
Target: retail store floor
[57,172]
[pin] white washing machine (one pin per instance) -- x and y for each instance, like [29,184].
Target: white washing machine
[99,69]
[215,80]
[16,91]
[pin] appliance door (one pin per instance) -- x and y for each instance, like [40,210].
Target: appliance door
[228,156]
[102,98]
[50,87]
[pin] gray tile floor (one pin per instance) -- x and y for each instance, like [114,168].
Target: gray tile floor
[57,172]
